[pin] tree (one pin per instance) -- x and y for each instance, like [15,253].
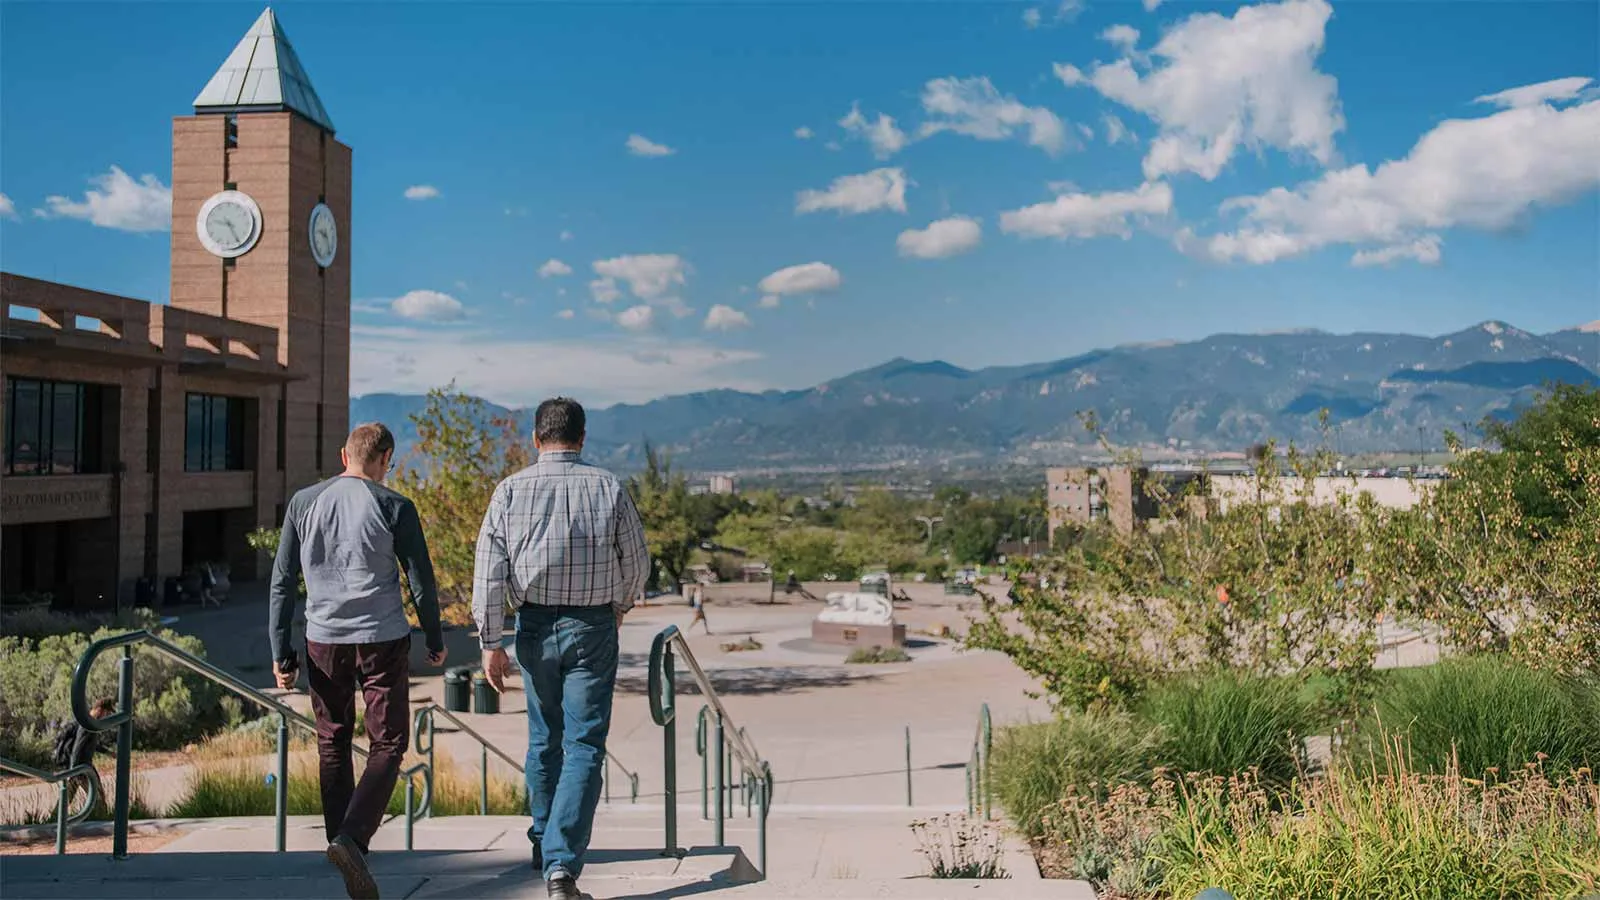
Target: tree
[662,497]
[462,453]
[1502,556]
[1272,587]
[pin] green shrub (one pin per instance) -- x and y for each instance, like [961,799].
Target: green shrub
[1032,767]
[243,787]
[34,625]
[1488,713]
[172,705]
[1404,835]
[1351,833]
[873,655]
[1225,724]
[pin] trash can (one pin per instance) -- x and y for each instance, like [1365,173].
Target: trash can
[457,682]
[485,700]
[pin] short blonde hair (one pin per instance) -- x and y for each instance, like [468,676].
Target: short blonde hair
[368,443]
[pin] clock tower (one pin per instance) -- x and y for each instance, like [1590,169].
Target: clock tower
[261,233]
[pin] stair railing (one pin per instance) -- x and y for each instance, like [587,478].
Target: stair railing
[979,797]
[122,721]
[63,781]
[663,696]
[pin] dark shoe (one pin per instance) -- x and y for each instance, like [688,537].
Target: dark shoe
[352,864]
[563,886]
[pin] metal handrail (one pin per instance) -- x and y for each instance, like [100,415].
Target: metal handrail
[122,721]
[978,788]
[662,692]
[62,780]
[423,731]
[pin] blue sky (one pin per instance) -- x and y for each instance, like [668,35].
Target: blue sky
[1100,173]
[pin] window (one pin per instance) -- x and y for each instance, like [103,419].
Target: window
[51,427]
[213,433]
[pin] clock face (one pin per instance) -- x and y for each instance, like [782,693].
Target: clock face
[229,224]
[324,235]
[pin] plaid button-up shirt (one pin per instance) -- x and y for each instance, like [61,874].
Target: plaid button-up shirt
[558,533]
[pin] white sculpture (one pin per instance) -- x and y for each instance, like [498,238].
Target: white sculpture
[857,609]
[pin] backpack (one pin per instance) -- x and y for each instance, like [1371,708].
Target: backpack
[61,754]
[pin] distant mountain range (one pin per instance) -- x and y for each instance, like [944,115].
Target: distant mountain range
[1382,392]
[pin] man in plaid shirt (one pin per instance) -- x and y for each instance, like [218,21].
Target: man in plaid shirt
[561,544]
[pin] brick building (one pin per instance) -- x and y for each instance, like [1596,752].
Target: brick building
[143,439]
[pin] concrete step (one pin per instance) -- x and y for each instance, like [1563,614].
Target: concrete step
[242,875]
[908,888]
[843,852]
[488,874]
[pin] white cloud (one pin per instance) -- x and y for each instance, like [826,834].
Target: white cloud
[614,368]
[566,236]
[946,237]
[1487,173]
[975,108]
[1116,131]
[554,268]
[421,192]
[8,210]
[1150,5]
[649,276]
[639,145]
[1086,130]
[885,137]
[566,314]
[725,318]
[604,290]
[1077,215]
[428,306]
[1123,37]
[1424,250]
[1069,10]
[637,318]
[1031,17]
[117,201]
[808,278]
[1554,91]
[803,133]
[1221,83]
[856,194]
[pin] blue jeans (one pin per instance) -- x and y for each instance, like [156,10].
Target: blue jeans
[569,670]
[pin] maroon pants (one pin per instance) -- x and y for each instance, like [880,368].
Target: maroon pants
[381,672]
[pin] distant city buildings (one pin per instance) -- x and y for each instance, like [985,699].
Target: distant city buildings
[1128,495]
[716,484]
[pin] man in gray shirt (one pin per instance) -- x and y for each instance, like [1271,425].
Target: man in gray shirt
[562,544]
[350,536]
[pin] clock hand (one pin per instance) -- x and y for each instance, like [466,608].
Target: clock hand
[231,230]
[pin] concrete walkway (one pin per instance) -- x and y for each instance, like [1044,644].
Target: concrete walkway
[472,856]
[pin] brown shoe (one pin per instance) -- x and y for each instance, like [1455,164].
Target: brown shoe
[352,864]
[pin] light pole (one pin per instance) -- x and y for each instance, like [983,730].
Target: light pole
[930,521]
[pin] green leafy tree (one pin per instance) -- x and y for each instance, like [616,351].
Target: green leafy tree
[1271,587]
[1502,556]
[462,453]
[670,520]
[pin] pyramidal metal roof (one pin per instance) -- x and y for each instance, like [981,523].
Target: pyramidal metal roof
[263,73]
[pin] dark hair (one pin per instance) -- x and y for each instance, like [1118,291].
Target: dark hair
[559,420]
[368,443]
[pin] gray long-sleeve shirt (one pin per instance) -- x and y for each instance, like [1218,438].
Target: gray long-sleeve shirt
[351,537]
[559,533]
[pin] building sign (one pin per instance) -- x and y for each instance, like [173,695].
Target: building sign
[55,499]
